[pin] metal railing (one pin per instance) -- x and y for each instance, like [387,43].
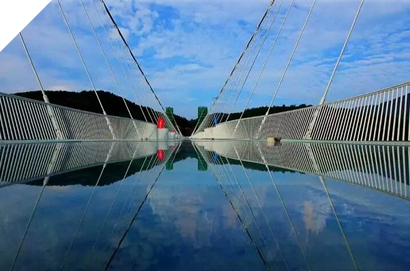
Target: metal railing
[26,119]
[379,116]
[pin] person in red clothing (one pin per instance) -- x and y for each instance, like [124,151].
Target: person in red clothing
[161,123]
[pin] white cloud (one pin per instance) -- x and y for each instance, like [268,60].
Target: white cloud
[188,47]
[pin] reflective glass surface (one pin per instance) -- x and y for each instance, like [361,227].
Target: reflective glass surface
[205,205]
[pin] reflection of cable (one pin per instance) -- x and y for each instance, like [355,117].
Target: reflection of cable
[103,224]
[50,169]
[132,222]
[248,210]
[29,222]
[234,209]
[126,206]
[243,224]
[317,169]
[111,206]
[151,164]
[87,206]
[262,209]
[134,218]
[284,207]
[82,218]
[349,250]
[155,163]
[242,193]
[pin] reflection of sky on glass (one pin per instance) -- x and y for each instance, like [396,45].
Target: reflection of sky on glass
[189,223]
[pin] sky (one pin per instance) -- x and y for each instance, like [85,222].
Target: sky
[187,49]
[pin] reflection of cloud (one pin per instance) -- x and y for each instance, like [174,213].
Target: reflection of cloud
[185,210]
[315,214]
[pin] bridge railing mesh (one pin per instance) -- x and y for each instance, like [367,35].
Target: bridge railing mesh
[26,119]
[378,116]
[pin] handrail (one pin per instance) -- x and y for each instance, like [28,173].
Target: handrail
[381,116]
[330,103]
[26,119]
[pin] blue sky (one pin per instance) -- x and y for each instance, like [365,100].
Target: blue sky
[188,47]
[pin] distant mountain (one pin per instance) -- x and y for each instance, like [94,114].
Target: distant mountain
[87,101]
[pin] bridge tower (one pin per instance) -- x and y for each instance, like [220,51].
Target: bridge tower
[202,113]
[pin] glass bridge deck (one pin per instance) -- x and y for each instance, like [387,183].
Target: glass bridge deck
[204,205]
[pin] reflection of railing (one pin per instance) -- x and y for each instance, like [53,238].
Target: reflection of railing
[124,206]
[240,189]
[377,116]
[23,162]
[385,168]
[25,119]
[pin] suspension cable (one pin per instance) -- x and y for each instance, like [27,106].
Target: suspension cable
[238,69]
[246,69]
[323,100]
[45,97]
[125,43]
[135,60]
[256,57]
[287,66]
[265,64]
[236,65]
[109,65]
[117,57]
[149,111]
[85,67]
[235,83]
